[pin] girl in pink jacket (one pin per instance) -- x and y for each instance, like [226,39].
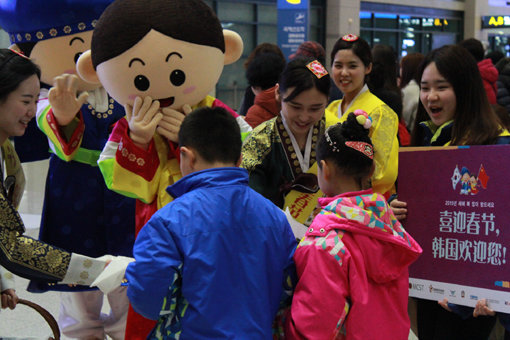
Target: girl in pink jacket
[353,262]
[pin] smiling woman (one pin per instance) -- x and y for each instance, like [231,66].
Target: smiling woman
[453,110]
[280,153]
[19,106]
[24,256]
[437,96]
[352,62]
[454,107]
[19,92]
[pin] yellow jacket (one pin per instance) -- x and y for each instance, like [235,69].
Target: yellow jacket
[383,134]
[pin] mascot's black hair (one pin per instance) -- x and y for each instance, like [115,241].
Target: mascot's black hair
[125,22]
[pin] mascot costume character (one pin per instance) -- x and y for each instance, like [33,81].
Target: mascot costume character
[80,213]
[160,59]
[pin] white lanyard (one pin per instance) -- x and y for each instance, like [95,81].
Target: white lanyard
[340,113]
[304,160]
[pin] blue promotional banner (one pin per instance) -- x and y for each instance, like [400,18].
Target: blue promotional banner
[293,18]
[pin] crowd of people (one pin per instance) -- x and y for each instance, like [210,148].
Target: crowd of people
[214,253]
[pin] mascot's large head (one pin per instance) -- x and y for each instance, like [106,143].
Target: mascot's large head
[53,33]
[171,50]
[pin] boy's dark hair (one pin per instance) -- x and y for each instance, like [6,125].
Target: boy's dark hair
[264,70]
[297,75]
[125,22]
[359,47]
[213,133]
[352,162]
[475,47]
[14,69]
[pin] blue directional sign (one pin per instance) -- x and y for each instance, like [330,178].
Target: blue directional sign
[293,22]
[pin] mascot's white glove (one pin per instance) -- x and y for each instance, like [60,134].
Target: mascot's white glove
[63,98]
[143,118]
[170,124]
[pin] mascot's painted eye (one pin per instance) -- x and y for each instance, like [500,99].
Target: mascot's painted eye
[76,56]
[142,83]
[177,77]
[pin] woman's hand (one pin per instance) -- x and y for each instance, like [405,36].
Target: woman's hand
[399,209]
[9,299]
[444,304]
[482,308]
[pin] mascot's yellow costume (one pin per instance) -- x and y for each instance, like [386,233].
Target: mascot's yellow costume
[160,59]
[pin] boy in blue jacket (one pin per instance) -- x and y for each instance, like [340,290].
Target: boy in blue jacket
[212,263]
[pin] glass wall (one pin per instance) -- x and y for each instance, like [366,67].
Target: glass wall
[409,29]
[499,42]
[256,22]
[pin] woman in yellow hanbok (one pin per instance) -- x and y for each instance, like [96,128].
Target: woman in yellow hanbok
[351,62]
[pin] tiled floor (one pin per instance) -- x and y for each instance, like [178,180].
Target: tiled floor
[25,323]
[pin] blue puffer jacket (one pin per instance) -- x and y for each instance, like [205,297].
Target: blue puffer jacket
[212,263]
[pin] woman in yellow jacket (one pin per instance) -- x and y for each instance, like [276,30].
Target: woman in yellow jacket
[351,62]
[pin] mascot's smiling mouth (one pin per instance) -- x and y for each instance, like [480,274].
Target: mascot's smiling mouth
[166,101]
